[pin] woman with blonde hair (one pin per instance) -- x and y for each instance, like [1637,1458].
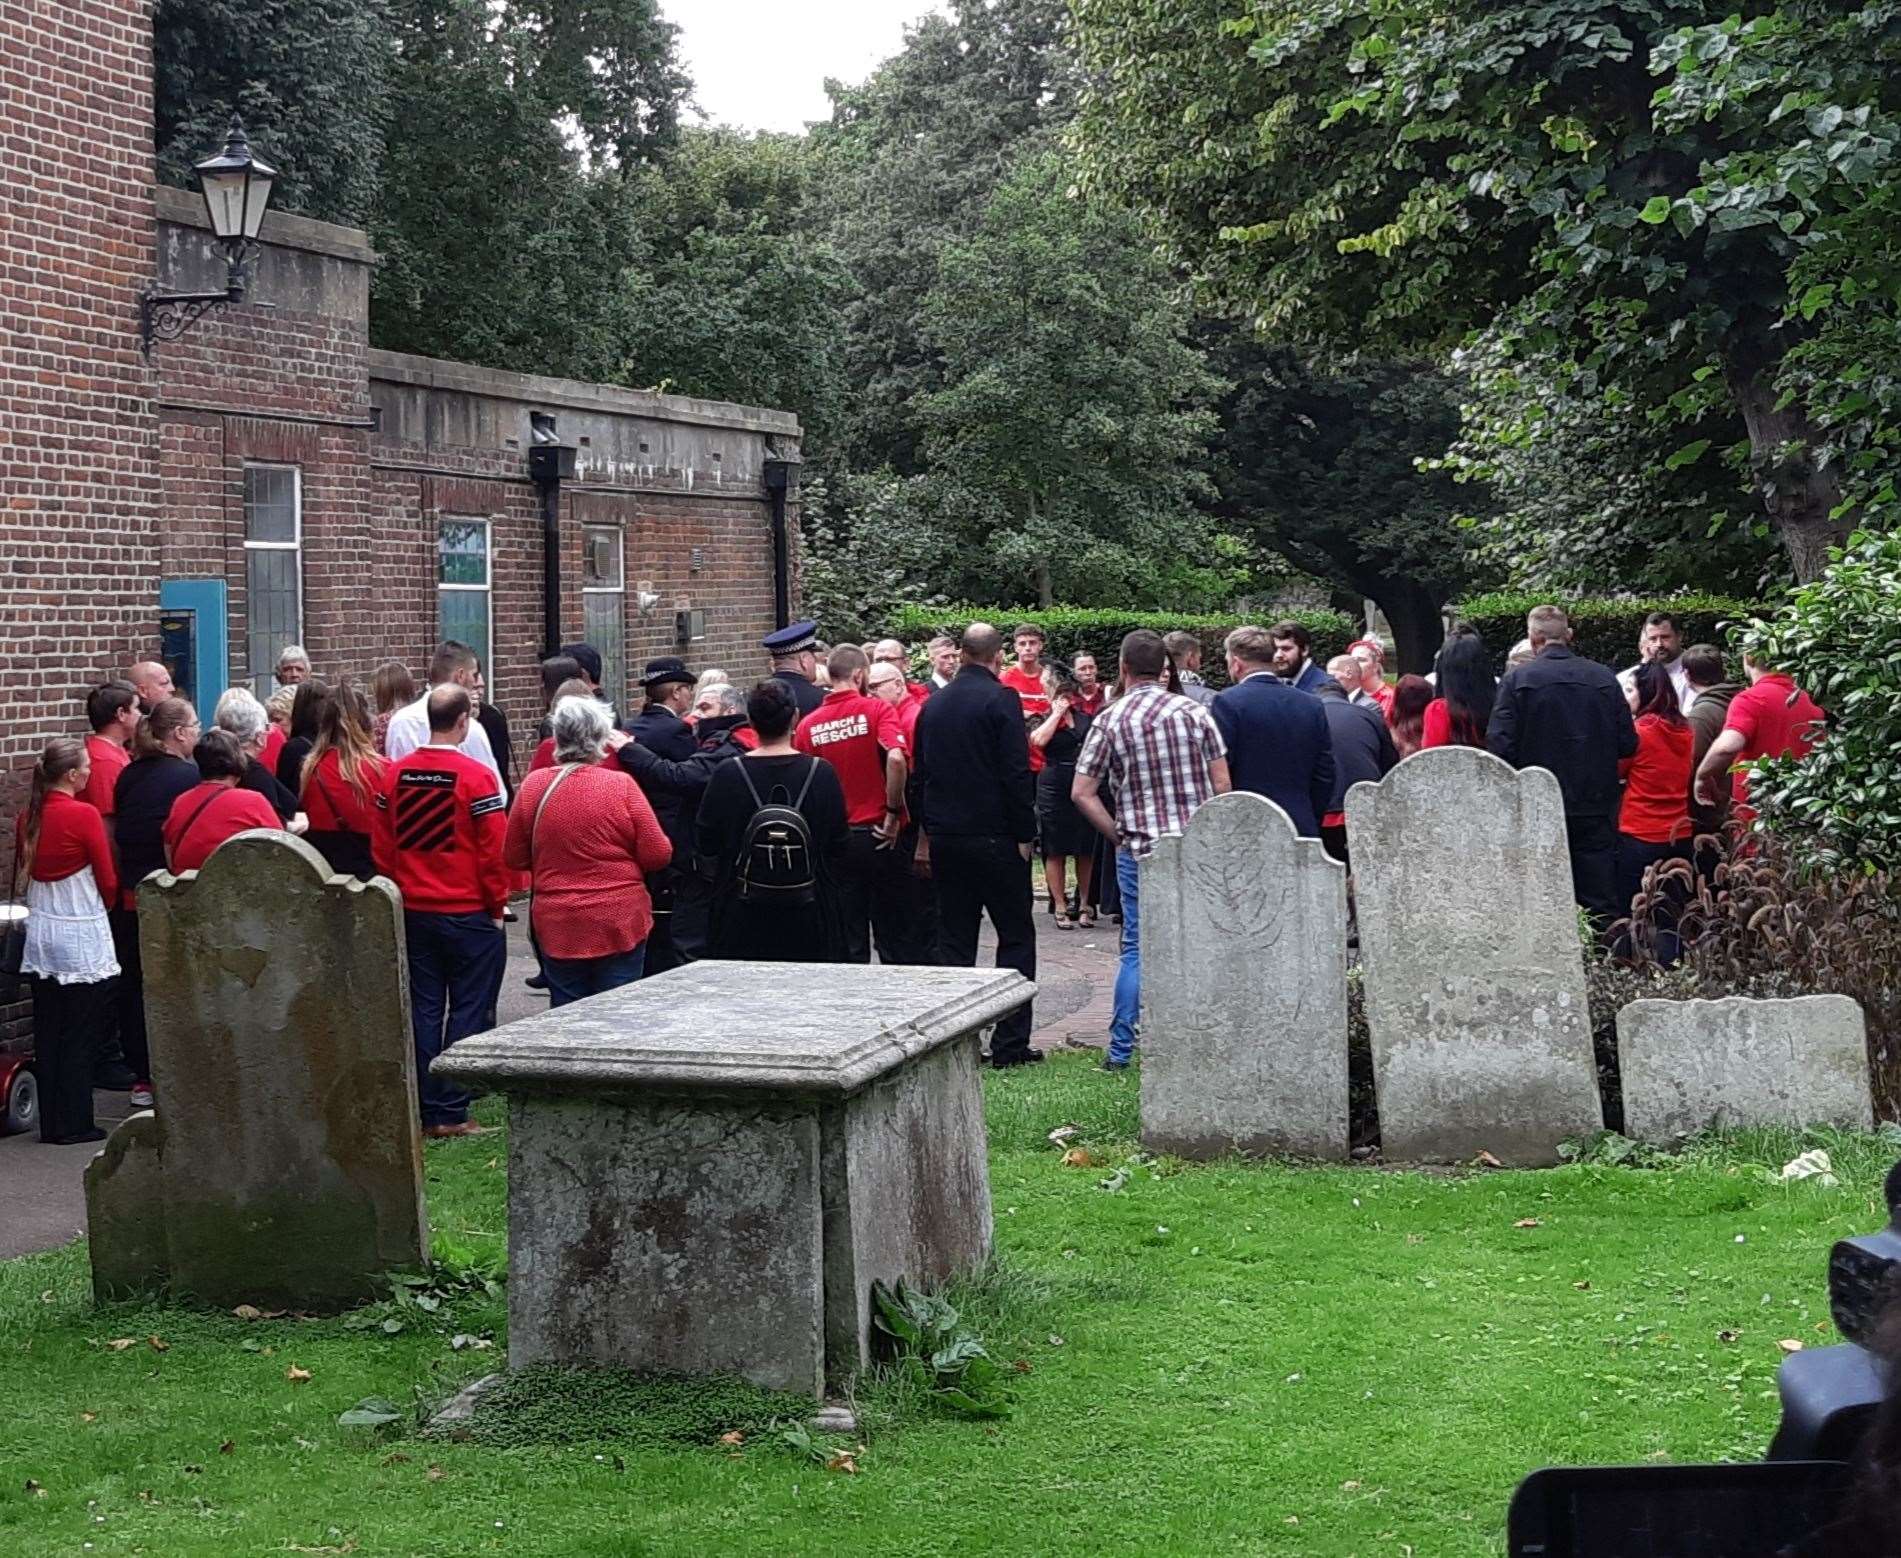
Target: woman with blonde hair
[63,863]
[341,779]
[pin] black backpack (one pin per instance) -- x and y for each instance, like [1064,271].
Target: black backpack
[776,862]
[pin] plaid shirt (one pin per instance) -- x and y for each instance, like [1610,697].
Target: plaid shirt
[1153,748]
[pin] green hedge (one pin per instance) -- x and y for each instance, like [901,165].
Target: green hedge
[1606,628]
[1072,630]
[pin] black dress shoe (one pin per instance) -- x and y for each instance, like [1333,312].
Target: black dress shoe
[536,982]
[114,1079]
[95,1134]
[1033,1057]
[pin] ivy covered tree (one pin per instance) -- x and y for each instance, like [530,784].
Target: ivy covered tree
[309,77]
[1626,187]
[1075,415]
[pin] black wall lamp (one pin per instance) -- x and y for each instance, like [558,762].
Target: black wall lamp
[237,187]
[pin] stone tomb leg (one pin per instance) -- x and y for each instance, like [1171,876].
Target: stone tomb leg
[1475,1000]
[708,1170]
[1244,984]
[284,1165]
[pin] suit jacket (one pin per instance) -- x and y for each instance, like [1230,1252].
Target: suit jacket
[975,758]
[1363,750]
[1278,746]
[1567,714]
[1310,678]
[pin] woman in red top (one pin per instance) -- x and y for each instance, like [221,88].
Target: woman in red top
[61,856]
[214,809]
[340,780]
[1411,698]
[590,839]
[1654,823]
[1371,654]
[1467,688]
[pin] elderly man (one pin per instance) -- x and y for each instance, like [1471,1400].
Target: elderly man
[1661,641]
[1568,714]
[293,666]
[153,683]
[891,651]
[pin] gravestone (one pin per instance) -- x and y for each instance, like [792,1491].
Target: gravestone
[283,1167]
[708,1170]
[1475,999]
[1244,988]
[1738,1061]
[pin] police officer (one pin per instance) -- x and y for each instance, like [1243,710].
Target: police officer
[795,662]
[660,726]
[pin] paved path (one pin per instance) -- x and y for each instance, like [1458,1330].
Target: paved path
[42,1202]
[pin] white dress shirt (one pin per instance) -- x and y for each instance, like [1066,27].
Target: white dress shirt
[1679,679]
[409,729]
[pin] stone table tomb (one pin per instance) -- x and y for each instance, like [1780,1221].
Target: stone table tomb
[708,1170]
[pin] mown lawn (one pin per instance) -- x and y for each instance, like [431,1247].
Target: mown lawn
[1227,1359]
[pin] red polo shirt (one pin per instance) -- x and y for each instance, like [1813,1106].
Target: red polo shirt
[1776,720]
[1028,686]
[852,731]
[109,760]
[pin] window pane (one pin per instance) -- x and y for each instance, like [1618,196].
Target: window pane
[465,617]
[270,503]
[463,554]
[600,558]
[602,620]
[272,580]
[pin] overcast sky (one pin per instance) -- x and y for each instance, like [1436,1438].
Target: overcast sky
[762,64]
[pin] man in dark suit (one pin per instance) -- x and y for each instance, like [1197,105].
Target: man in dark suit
[1363,750]
[661,725]
[980,819]
[1568,714]
[1293,658]
[1277,737]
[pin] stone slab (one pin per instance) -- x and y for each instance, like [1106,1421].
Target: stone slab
[125,1210]
[278,1008]
[1687,1065]
[1474,970]
[1244,988]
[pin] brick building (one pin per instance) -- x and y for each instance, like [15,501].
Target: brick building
[269,478]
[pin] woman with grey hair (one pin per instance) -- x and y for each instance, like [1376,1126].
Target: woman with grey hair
[239,712]
[589,841]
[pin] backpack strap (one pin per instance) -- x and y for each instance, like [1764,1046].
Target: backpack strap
[753,788]
[810,774]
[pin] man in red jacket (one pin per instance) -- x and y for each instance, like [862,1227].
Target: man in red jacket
[438,837]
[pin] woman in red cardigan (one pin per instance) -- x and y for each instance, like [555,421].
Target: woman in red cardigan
[214,809]
[62,857]
[590,840]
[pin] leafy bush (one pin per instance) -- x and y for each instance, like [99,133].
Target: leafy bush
[1755,919]
[929,1343]
[1074,630]
[1840,638]
[1606,628]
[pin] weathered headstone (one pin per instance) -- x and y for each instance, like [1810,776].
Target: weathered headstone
[1244,988]
[1475,998]
[1690,1064]
[708,1170]
[284,1164]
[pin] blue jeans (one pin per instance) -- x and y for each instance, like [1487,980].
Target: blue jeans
[575,979]
[1128,1006]
[456,963]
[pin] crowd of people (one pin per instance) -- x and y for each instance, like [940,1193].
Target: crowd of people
[834,807]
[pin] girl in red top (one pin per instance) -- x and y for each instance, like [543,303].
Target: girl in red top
[1459,715]
[591,840]
[214,809]
[1654,823]
[61,857]
[340,782]
[1411,698]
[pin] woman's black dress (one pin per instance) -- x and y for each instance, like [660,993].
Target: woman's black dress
[770,932]
[1062,829]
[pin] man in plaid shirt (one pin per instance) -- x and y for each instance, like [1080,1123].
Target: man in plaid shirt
[1161,756]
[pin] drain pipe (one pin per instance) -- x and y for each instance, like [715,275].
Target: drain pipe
[550,464]
[779,471]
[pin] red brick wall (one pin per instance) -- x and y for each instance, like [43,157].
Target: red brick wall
[78,436]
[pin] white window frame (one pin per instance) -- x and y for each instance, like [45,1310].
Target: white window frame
[619,693]
[264,675]
[486,651]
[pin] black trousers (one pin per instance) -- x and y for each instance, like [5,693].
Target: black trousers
[975,876]
[69,1024]
[903,906]
[855,878]
[1593,843]
[129,992]
[662,953]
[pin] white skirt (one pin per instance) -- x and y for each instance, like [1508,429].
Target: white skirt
[68,938]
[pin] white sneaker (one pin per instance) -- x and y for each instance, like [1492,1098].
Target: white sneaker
[141,1097]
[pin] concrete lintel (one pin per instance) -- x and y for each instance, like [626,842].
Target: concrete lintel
[533,389]
[185,208]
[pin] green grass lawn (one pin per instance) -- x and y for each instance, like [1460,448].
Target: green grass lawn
[1224,1359]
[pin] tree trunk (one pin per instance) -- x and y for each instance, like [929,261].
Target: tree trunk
[1798,496]
[1040,574]
[1418,625]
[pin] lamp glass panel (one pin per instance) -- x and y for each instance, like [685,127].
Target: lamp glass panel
[224,202]
[257,197]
